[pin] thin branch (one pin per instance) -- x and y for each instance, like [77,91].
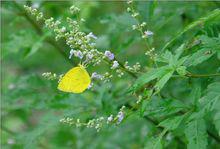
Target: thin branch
[126,70]
[40,32]
[202,75]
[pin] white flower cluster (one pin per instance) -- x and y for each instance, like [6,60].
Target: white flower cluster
[55,26]
[115,65]
[151,53]
[140,98]
[141,27]
[39,15]
[109,55]
[76,53]
[120,73]
[118,118]
[51,76]
[134,68]
[105,77]
[95,75]
[74,10]
[93,123]
[96,123]
[147,34]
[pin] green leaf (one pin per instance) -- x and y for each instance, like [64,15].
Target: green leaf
[37,45]
[166,57]
[217,121]
[181,70]
[152,7]
[172,123]
[31,138]
[195,94]
[196,134]
[209,17]
[208,102]
[153,143]
[149,76]
[209,47]
[181,61]
[165,107]
[198,57]
[211,43]
[173,60]
[179,51]
[19,41]
[143,107]
[163,80]
[34,48]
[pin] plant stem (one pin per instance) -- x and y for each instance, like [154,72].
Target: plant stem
[147,44]
[126,70]
[202,75]
[40,32]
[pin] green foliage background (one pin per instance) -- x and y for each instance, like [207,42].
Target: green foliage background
[188,108]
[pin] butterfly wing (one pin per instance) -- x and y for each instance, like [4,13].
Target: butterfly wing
[76,80]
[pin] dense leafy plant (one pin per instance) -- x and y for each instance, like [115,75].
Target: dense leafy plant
[168,97]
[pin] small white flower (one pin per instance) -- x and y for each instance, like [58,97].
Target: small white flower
[101,118]
[97,126]
[92,44]
[128,9]
[169,137]
[91,35]
[57,23]
[89,56]
[82,20]
[79,54]
[129,2]
[109,55]
[143,24]
[90,86]
[139,99]
[135,14]
[109,119]
[95,75]
[152,50]
[70,38]
[122,108]
[74,9]
[144,36]
[148,33]
[71,53]
[120,117]
[115,64]
[134,27]
[63,29]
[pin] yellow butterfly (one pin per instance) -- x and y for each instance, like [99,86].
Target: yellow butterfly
[76,80]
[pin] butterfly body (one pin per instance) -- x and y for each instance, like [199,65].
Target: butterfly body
[76,80]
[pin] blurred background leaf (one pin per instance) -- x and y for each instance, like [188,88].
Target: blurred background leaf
[32,106]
